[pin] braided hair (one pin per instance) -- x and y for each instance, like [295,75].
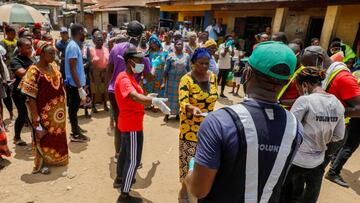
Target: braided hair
[311,75]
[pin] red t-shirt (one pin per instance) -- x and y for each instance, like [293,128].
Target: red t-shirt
[344,86]
[131,114]
[291,93]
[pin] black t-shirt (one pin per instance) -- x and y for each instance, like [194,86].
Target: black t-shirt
[19,61]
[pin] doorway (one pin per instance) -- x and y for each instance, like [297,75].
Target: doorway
[357,40]
[314,29]
[246,28]
[113,19]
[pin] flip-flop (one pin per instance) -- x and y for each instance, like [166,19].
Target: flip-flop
[20,142]
[45,171]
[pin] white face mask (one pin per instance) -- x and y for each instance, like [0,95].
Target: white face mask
[138,68]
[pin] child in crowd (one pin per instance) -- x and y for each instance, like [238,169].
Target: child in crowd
[238,72]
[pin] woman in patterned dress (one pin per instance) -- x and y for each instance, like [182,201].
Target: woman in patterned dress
[198,94]
[157,59]
[177,65]
[192,44]
[42,84]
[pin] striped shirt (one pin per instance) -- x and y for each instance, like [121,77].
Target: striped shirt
[252,164]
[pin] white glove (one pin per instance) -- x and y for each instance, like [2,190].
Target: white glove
[160,103]
[82,94]
[157,101]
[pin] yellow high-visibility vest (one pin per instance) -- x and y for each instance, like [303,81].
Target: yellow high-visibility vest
[331,78]
[283,90]
[349,53]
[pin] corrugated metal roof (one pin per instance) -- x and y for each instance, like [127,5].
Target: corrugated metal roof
[45,3]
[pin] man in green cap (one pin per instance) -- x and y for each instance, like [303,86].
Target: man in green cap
[245,150]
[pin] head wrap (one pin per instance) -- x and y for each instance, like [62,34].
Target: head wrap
[199,53]
[210,43]
[41,45]
[21,31]
[191,34]
[155,39]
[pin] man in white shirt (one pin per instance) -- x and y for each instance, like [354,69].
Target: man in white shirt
[226,51]
[213,30]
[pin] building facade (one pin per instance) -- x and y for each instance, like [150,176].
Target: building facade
[302,19]
[117,13]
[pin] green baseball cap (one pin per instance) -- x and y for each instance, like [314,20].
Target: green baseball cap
[268,54]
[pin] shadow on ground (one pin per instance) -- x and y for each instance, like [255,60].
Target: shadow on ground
[157,114]
[142,183]
[77,147]
[172,122]
[55,173]
[23,152]
[352,179]
[4,163]
[226,102]
[144,200]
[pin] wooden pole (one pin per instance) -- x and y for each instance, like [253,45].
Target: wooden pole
[82,12]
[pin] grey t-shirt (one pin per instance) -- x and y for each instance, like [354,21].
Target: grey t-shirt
[322,116]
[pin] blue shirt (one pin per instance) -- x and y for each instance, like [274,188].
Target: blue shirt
[213,67]
[73,51]
[61,46]
[218,147]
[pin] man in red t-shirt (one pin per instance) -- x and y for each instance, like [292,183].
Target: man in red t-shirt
[130,99]
[341,83]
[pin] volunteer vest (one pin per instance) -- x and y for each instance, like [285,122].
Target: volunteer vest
[349,53]
[356,74]
[329,81]
[246,182]
[283,90]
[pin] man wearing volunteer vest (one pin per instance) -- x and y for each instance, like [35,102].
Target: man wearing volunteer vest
[337,45]
[341,83]
[289,92]
[245,150]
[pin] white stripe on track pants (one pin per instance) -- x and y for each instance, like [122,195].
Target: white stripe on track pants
[129,158]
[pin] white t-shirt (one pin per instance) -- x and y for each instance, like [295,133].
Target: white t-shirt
[213,30]
[322,116]
[224,62]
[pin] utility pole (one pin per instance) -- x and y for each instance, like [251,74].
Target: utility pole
[82,12]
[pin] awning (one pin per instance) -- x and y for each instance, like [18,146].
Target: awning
[44,10]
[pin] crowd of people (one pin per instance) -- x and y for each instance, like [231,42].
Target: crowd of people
[300,110]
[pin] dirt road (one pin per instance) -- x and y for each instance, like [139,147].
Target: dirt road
[89,175]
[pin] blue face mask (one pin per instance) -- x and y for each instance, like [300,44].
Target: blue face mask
[138,68]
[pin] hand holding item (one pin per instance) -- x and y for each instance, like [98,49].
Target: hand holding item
[160,103]
[40,132]
[82,94]
[197,112]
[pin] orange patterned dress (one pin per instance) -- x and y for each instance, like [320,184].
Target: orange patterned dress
[48,91]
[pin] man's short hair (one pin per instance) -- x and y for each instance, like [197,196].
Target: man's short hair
[22,41]
[280,36]
[94,30]
[76,29]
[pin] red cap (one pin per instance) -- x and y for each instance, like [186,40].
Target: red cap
[37,25]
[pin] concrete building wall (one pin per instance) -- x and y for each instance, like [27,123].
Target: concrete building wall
[229,16]
[297,22]
[348,23]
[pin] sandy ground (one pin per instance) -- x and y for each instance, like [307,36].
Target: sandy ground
[89,175]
